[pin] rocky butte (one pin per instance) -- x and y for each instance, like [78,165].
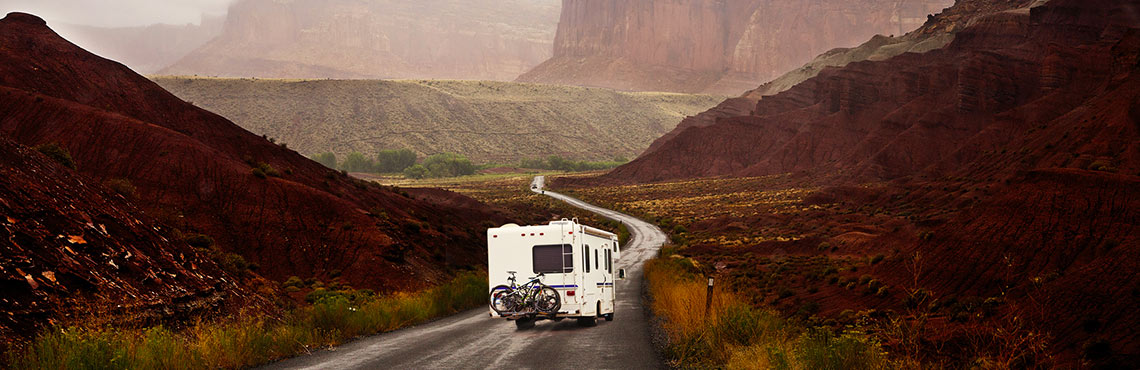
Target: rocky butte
[721,46]
[450,39]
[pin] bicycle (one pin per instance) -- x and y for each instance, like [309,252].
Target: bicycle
[533,297]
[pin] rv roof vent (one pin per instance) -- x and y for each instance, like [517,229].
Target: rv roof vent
[563,222]
[510,225]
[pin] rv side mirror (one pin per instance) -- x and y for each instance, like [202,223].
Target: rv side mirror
[621,274]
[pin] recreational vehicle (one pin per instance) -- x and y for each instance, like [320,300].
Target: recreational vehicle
[575,260]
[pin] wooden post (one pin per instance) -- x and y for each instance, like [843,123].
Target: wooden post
[708,299]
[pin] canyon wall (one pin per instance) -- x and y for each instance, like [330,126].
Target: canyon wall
[447,39]
[145,49]
[722,46]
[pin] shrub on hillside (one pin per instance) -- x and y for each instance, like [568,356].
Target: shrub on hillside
[200,241]
[123,187]
[395,160]
[57,153]
[263,170]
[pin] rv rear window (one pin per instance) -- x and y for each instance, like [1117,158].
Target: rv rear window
[553,259]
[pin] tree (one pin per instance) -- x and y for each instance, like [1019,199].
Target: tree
[327,159]
[416,172]
[356,162]
[448,165]
[395,160]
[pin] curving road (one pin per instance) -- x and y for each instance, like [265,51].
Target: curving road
[472,340]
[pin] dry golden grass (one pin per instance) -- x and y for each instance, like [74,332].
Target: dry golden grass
[736,335]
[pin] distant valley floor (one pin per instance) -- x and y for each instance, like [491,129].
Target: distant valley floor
[500,122]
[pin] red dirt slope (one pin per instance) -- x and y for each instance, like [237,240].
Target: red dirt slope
[194,170]
[70,249]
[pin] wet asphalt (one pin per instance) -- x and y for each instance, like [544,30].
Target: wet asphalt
[473,340]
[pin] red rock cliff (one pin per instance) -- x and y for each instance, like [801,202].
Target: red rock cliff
[481,39]
[722,46]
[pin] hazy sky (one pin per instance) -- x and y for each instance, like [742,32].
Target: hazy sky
[118,13]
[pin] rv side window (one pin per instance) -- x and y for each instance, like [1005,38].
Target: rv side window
[586,257]
[609,262]
[596,259]
[553,259]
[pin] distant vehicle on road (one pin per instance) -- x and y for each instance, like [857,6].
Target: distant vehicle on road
[575,260]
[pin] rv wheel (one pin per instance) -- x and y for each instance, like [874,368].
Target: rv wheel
[609,316]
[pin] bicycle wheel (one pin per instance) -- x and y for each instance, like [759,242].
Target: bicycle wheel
[548,301]
[501,301]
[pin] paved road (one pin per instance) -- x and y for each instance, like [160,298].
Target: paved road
[472,340]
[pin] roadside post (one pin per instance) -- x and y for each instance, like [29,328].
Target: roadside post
[708,298]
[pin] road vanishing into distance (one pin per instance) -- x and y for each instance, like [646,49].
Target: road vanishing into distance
[473,340]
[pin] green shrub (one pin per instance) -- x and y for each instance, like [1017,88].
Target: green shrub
[822,349]
[395,160]
[448,165]
[57,153]
[123,187]
[200,241]
[416,172]
[234,264]
[293,281]
[264,169]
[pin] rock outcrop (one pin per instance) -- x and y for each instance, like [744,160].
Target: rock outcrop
[71,249]
[482,39]
[910,113]
[723,46]
[936,33]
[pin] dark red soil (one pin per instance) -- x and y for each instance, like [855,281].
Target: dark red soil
[1011,160]
[194,171]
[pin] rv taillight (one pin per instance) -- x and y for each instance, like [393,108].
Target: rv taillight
[541,234]
[569,293]
[571,232]
[494,236]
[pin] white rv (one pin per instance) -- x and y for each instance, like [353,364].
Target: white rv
[577,260]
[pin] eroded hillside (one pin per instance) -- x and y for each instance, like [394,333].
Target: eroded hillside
[200,173]
[486,121]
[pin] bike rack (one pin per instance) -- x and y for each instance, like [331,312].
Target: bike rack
[526,315]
